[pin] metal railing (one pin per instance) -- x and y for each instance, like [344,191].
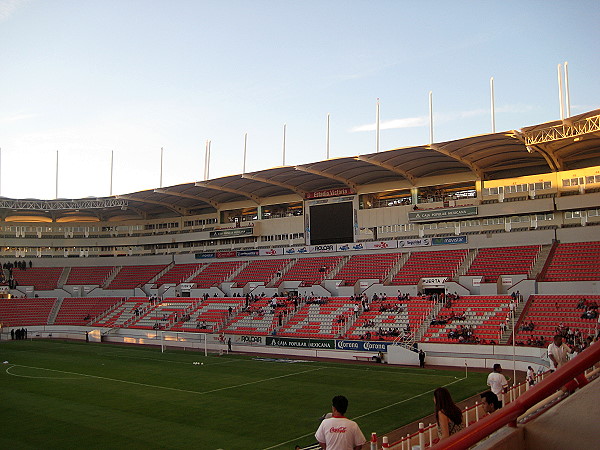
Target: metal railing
[509,414]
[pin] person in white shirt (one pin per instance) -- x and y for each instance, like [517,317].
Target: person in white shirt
[558,351]
[339,432]
[497,381]
[530,378]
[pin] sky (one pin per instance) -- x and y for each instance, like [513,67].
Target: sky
[90,79]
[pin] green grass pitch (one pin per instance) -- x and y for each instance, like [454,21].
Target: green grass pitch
[57,394]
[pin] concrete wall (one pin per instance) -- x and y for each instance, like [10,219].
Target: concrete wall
[480,356]
[455,355]
[580,234]
[579,287]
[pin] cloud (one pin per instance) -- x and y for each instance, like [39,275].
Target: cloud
[409,122]
[17,117]
[583,108]
[471,113]
[516,109]
[8,8]
[415,122]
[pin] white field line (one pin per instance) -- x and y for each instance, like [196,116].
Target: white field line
[116,355]
[366,414]
[232,361]
[382,369]
[45,378]
[260,381]
[162,387]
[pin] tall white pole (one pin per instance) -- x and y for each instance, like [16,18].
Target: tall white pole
[493,105]
[208,161]
[0,171]
[205,159]
[56,176]
[567,94]
[377,127]
[560,93]
[112,156]
[327,137]
[513,345]
[161,167]
[283,150]
[245,150]
[430,117]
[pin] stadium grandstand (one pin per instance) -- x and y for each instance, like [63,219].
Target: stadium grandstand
[477,251]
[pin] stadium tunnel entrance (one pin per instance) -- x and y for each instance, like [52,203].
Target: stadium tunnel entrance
[433,290]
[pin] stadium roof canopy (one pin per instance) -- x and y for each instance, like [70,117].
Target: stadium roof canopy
[567,144]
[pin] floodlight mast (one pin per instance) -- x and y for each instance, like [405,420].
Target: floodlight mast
[327,138]
[567,94]
[207,161]
[56,177]
[245,150]
[493,107]
[283,149]
[430,117]
[377,127]
[560,93]
[160,184]
[112,156]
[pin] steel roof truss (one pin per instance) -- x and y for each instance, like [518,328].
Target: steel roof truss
[342,180]
[190,196]
[389,167]
[564,131]
[298,191]
[254,198]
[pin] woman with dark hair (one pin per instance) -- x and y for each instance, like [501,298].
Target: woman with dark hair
[447,415]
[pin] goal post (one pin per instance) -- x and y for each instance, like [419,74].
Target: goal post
[198,341]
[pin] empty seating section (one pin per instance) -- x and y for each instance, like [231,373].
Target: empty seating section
[124,313]
[493,262]
[177,274]
[359,267]
[41,278]
[163,315]
[321,318]
[382,316]
[89,275]
[130,277]
[215,273]
[260,318]
[575,262]
[484,314]
[81,311]
[209,315]
[547,312]
[261,271]
[419,309]
[25,311]
[390,319]
[324,321]
[429,264]
[310,270]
